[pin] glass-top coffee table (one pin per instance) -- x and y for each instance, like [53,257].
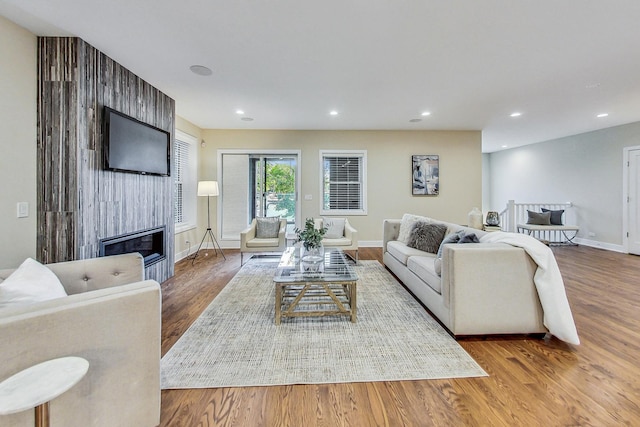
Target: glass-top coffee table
[329,291]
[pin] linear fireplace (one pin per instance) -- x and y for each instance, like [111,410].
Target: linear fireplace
[150,243]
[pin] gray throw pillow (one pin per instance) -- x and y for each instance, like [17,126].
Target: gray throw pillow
[267,228]
[450,238]
[537,218]
[469,238]
[556,216]
[427,237]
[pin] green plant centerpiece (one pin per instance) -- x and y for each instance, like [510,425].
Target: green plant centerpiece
[312,256]
[311,237]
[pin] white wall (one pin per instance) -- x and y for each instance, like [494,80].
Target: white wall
[18,53]
[586,169]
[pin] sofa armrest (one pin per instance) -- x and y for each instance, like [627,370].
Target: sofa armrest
[391,231]
[351,233]
[489,286]
[116,329]
[247,234]
[97,273]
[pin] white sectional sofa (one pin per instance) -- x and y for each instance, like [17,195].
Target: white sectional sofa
[483,289]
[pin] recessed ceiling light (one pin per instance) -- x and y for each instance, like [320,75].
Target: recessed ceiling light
[239,112]
[426,113]
[415,120]
[601,115]
[201,70]
[504,146]
[247,119]
[516,114]
[333,113]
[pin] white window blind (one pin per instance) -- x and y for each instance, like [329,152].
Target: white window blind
[343,182]
[184,173]
[181,158]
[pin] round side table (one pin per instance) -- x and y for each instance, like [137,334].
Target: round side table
[36,386]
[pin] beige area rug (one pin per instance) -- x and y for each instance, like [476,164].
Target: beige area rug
[236,343]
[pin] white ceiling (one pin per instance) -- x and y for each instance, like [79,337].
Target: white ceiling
[287,63]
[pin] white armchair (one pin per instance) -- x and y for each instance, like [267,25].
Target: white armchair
[250,243]
[338,237]
[111,317]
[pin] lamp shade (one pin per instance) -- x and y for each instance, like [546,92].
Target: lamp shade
[208,188]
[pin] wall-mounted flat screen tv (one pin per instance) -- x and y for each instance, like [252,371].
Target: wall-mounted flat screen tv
[134,146]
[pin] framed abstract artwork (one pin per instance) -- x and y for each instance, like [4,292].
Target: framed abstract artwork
[425,175]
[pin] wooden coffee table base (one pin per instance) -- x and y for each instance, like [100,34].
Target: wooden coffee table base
[318,299]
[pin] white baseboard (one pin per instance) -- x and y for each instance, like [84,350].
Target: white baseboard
[600,245]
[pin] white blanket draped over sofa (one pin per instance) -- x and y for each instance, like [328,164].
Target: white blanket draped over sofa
[549,284]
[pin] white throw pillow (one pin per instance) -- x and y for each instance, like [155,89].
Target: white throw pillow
[406,226]
[31,282]
[335,228]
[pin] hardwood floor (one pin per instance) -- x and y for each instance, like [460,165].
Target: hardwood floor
[532,382]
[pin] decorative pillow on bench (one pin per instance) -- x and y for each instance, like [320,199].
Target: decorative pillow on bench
[556,216]
[537,218]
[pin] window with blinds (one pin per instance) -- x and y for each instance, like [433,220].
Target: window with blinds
[184,173]
[180,159]
[343,182]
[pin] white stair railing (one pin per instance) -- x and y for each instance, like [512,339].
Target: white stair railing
[516,213]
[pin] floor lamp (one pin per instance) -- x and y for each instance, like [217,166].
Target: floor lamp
[208,188]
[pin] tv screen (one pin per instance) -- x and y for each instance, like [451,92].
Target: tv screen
[134,146]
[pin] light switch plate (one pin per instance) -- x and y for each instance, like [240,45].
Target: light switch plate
[308,197]
[23,209]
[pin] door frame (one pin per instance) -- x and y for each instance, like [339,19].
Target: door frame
[267,152]
[625,195]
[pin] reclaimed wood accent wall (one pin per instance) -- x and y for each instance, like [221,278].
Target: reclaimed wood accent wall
[79,202]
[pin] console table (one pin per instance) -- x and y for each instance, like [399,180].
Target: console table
[36,386]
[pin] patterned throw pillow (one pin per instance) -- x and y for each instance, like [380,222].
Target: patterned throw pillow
[427,237]
[267,228]
[335,228]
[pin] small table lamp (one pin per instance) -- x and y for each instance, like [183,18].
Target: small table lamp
[208,188]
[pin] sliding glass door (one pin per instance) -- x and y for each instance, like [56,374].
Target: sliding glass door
[256,184]
[273,186]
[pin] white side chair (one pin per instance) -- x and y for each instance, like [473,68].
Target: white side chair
[249,243]
[348,241]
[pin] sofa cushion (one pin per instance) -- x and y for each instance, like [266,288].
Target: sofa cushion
[556,216]
[423,267]
[427,237]
[406,226]
[335,228]
[267,228]
[402,252]
[31,282]
[330,243]
[263,243]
